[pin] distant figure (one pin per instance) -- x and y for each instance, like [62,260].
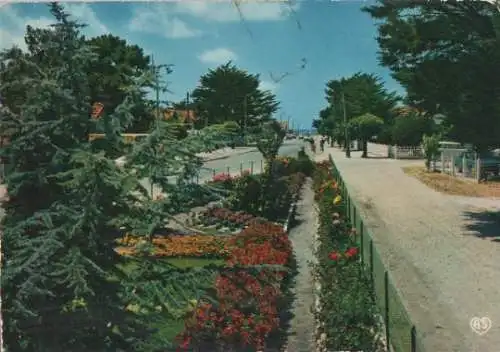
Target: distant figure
[322,144]
[313,145]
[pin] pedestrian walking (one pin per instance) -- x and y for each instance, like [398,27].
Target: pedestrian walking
[322,144]
[313,145]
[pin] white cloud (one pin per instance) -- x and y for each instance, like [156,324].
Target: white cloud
[84,14]
[13,26]
[268,85]
[228,11]
[217,56]
[157,19]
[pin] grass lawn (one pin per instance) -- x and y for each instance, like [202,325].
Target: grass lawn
[186,262]
[183,291]
[453,185]
[180,262]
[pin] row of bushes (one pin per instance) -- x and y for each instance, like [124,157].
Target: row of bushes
[348,313]
[269,194]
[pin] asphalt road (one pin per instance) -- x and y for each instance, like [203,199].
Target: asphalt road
[251,161]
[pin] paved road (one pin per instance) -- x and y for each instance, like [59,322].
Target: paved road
[246,161]
[240,162]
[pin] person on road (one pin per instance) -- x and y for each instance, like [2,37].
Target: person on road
[322,144]
[313,145]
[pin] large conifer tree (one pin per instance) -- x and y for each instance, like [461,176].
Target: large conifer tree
[59,276]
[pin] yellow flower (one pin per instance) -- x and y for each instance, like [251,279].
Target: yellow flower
[337,200]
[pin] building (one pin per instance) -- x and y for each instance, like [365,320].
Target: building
[187,116]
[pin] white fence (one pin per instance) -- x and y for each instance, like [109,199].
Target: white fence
[404,152]
[460,163]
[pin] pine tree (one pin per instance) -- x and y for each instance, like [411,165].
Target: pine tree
[61,287]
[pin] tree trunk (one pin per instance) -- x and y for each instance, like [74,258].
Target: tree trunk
[365,149]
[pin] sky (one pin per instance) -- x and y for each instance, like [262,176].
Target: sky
[296,48]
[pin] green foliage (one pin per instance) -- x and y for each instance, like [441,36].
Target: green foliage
[119,65]
[228,93]
[302,164]
[430,146]
[364,127]
[408,130]
[363,93]
[162,294]
[58,246]
[60,285]
[246,194]
[271,139]
[444,54]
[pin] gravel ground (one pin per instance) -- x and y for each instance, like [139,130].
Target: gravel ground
[440,250]
[301,330]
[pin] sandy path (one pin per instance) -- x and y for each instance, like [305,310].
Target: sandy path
[429,241]
[302,325]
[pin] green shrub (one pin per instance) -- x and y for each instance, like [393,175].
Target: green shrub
[302,164]
[246,194]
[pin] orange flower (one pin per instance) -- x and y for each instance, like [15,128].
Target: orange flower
[178,245]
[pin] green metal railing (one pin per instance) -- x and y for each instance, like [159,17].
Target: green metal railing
[400,332]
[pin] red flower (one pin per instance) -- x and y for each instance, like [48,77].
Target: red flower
[351,252]
[334,256]
[186,342]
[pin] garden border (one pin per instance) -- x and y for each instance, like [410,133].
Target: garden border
[396,342]
[291,211]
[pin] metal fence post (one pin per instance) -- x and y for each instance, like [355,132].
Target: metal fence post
[241,168]
[386,291]
[362,242]
[261,166]
[213,172]
[371,260]
[354,215]
[228,170]
[197,178]
[251,167]
[413,339]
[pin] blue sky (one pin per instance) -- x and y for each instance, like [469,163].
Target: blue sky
[335,38]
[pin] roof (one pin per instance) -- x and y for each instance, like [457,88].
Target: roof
[183,115]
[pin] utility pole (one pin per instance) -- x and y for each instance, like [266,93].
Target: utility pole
[288,124]
[188,111]
[346,129]
[157,88]
[245,114]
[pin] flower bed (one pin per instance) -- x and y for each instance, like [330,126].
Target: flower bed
[225,217]
[177,246]
[243,313]
[347,312]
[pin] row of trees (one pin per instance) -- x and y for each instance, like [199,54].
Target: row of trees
[224,94]
[358,105]
[444,55]
[63,286]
